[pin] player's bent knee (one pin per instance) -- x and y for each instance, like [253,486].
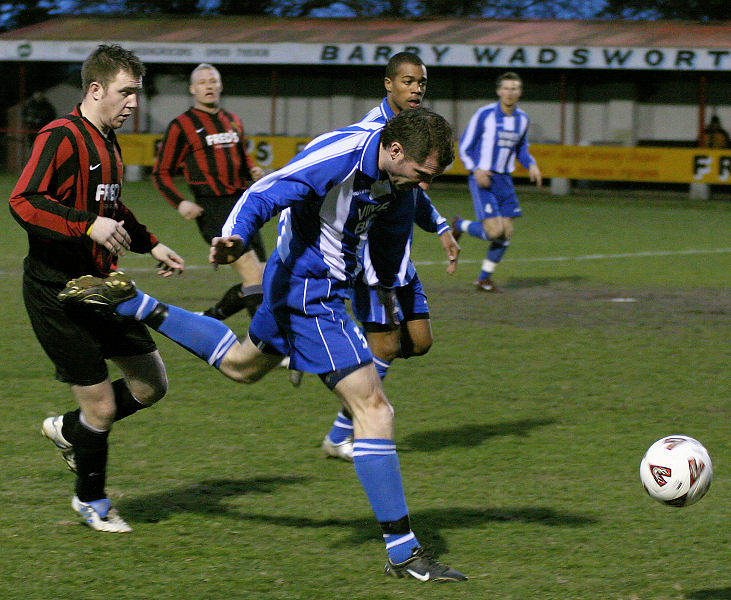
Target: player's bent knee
[494,231]
[240,375]
[377,414]
[419,348]
[149,392]
[385,343]
[388,354]
[248,366]
[377,404]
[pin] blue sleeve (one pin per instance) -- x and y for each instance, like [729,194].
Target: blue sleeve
[261,202]
[388,239]
[307,177]
[471,139]
[427,216]
[522,152]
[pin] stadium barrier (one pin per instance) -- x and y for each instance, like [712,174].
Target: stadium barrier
[600,163]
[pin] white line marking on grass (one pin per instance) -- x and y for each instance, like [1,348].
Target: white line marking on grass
[589,256]
[132,257]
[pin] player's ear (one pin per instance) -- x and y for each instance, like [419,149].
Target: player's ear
[396,150]
[387,83]
[96,90]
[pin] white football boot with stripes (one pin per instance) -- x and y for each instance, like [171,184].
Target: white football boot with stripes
[100,516]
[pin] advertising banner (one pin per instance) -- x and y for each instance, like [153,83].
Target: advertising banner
[602,163]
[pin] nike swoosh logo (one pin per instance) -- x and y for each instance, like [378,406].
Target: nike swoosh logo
[199,130]
[92,167]
[419,576]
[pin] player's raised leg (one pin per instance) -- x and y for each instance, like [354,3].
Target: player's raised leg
[209,339]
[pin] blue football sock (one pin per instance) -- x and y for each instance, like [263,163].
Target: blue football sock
[138,307]
[494,255]
[381,366]
[496,250]
[342,429]
[377,466]
[207,338]
[475,229]
[101,506]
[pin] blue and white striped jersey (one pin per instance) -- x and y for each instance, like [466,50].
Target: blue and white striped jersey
[330,196]
[493,139]
[425,216]
[379,114]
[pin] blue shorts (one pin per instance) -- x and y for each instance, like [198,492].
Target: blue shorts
[367,307]
[499,200]
[306,318]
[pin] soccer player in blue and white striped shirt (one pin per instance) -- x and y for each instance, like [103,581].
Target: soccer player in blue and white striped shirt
[495,136]
[359,181]
[405,82]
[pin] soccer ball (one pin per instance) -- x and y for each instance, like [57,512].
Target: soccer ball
[676,470]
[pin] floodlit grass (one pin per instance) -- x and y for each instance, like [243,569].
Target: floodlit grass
[519,434]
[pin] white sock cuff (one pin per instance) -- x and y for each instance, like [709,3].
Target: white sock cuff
[488,266]
[85,423]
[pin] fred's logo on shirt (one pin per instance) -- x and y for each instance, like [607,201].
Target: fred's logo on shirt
[108,193]
[222,139]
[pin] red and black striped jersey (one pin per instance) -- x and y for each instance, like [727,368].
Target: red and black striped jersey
[73,175]
[210,149]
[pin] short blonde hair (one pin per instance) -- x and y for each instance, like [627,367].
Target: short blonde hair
[201,67]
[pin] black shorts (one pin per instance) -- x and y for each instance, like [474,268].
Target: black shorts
[77,339]
[215,213]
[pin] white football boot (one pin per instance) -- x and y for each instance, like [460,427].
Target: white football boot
[51,429]
[343,450]
[92,513]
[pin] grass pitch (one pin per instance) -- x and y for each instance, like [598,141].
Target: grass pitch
[519,434]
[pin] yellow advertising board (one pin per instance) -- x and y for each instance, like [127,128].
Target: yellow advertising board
[652,164]
[603,163]
[269,152]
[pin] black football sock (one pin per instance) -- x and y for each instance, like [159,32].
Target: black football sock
[126,403]
[253,296]
[70,420]
[235,299]
[90,450]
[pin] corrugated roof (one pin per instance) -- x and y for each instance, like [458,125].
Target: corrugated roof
[668,34]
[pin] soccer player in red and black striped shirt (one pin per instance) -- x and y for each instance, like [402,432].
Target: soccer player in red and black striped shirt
[207,143]
[68,199]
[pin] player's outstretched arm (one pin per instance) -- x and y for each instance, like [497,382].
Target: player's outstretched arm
[452,249]
[169,262]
